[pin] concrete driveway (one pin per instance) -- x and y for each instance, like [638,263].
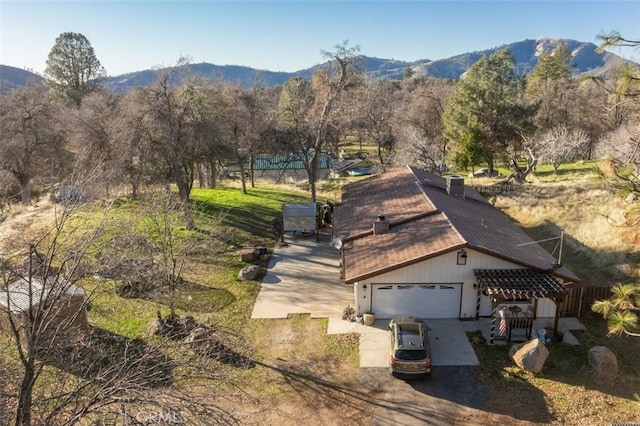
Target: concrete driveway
[449,343]
[303,277]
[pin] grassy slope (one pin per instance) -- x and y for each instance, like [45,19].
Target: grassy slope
[280,348]
[230,220]
[592,216]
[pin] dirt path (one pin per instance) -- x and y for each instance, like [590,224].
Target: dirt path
[22,223]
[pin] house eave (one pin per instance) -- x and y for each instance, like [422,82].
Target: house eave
[570,278]
[404,264]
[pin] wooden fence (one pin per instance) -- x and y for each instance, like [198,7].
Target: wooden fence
[579,300]
[497,188]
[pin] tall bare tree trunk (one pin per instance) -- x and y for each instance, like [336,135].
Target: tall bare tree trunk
[313,175]
[25,191]
[184,189]
[25,399]
[213,174]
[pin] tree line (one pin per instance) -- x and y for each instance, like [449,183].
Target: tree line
[72,129]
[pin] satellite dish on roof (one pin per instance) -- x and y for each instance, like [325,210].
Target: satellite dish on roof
[337,243]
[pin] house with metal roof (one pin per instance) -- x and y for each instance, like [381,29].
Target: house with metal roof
[418,244]
[282,168]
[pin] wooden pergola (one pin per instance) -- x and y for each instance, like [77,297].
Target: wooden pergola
[503,285]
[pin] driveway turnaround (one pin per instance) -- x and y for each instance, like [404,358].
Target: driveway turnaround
[303,277]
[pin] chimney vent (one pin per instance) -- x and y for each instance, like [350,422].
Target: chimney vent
[381,225]
[455,186]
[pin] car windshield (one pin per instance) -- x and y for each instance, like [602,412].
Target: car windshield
[413,355]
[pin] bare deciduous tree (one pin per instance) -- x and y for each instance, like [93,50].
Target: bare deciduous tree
[31,138]
[37,300]
[169,245]
[417,149]
[60,370]
[420,132]
[168,128]
[91,136]
[560,144]
[619,154]
[343,70]
[374,109]
[243,121]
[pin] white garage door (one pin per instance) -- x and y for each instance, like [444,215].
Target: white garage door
[418,300]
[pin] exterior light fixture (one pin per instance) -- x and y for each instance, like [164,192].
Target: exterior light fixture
[462,257]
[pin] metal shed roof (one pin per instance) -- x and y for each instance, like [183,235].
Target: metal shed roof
[299,210]
[20,294]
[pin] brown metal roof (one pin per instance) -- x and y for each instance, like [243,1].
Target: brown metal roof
[404,244]
[425,221]
[518,283]
[394,193]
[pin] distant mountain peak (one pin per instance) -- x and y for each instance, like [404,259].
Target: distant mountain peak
[526,54]
[546,45]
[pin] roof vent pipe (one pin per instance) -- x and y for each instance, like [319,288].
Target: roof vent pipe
[381,225]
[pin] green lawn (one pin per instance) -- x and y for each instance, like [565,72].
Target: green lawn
[227,220]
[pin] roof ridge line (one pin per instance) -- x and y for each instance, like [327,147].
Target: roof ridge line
[453,227]
[356,236]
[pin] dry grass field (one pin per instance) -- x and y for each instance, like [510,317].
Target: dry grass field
[600,242]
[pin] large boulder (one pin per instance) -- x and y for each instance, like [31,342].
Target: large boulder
[249,273]
[248,255]
[602,363]
[155,327]
[530,355]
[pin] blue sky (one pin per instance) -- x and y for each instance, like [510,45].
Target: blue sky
[289,35]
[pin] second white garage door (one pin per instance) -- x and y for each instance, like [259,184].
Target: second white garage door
[417,300]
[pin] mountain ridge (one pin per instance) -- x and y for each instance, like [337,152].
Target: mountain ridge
[586,60]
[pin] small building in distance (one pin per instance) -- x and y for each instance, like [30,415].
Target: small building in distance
[281,168]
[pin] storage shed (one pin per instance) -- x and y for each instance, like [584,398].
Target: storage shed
[62,303]
[300,217]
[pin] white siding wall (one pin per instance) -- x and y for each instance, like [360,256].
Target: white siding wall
[444,269]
